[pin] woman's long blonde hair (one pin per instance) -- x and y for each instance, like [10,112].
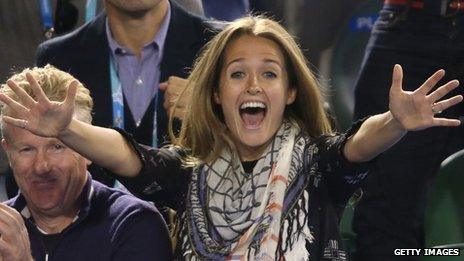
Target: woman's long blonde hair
[204,133]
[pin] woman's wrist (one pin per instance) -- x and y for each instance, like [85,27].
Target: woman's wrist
[69,130]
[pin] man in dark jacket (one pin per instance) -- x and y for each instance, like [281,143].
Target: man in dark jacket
[124,54]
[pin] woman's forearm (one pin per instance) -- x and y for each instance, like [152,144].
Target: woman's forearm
[377,134]
[105,147]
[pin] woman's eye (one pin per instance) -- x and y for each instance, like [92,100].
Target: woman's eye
[270,75]
[237,75]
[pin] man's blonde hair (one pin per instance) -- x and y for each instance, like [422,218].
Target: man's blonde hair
[204,133]
[54,83]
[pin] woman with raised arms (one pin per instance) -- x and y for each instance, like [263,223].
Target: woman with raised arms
[256,172]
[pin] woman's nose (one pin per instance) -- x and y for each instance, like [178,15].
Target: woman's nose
[254,87]
[253,90]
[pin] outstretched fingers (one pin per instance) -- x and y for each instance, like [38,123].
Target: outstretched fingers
[446,122]
[445,104]
[71,95]
[15,122]
[428,85]
[23,96]
[39,93]
[14,105]
[397,79]
[443,90]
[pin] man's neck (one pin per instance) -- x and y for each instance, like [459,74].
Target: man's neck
[134,31]
[54,224]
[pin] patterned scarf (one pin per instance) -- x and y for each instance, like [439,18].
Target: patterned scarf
[234,215]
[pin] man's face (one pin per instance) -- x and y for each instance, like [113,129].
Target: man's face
[49,175]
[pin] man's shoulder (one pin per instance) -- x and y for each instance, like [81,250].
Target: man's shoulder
[86,34]
[203,25]
[123,218]
[119,202]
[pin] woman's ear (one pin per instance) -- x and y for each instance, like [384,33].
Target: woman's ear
[217,100]
[291,96]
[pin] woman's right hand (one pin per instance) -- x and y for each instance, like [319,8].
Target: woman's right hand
[41,117]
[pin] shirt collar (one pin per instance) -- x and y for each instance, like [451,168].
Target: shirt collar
[157,41]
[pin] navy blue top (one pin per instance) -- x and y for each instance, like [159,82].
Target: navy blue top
[111,225]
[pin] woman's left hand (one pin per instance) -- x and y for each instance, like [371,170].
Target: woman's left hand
[417,110]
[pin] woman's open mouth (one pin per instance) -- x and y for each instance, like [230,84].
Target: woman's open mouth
[252,114]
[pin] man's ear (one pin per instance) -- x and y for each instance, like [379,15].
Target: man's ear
[217,100]
[6,147]
[87,162]
[291,96]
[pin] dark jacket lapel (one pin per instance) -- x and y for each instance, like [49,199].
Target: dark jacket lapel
[96,70]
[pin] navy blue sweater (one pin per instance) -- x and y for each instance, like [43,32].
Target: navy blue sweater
[111,225]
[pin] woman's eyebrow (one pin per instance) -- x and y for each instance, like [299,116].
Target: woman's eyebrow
[237,60]
[272,61]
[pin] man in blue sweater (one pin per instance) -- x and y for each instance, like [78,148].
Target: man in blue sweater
[60,212]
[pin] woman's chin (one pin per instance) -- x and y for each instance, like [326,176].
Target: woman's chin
[252,146]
